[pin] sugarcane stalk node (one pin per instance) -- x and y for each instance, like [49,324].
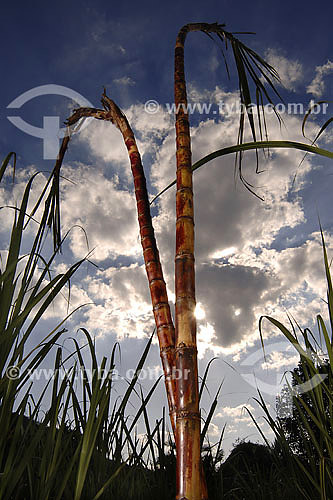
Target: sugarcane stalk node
[182,348]
[187,415]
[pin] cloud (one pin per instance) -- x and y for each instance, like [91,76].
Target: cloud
[245,266]
[105,143]
[105,210]
[240,285]
[150,127]
[93,51]
[125,80]
[317,86]
[226,291]
[290,72]
[278,360]
[237,413]
[122,302]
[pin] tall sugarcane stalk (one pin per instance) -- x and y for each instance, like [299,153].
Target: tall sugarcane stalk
[188,415]
[163,320]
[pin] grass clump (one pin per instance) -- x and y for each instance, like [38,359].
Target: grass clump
[78,446]
[306,457]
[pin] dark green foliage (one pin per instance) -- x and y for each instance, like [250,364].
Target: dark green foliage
[295,430]
[250,473]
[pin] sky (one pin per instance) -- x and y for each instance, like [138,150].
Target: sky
[253,257]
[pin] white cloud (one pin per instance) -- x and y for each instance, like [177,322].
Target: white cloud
[106,143]
[228,217]
[122,302]
[231,225]
[317,86]
[278,360]
[150,126]
[125,80]
[237,413]
[290,72]
[104,210]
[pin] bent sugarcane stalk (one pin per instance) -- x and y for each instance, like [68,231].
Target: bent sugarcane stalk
[161,309]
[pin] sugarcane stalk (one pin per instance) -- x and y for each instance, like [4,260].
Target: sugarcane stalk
[190,477]
[159,297]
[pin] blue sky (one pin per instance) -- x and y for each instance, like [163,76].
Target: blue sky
[252,257]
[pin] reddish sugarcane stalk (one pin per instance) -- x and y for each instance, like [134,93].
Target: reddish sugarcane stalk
[190,482]
[159,297]
[161,309]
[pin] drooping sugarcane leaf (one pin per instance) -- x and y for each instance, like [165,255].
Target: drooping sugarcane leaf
[254,71]
[322,129]
[308,114]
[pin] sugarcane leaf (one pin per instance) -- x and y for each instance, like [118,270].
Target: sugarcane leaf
[203,383]
[144,404]
[308,113]
[250,146]
[322,129]
[135,376]
[210,415]
[109,481]
[244,90]
[285,332]
[5,163]
[322,327]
